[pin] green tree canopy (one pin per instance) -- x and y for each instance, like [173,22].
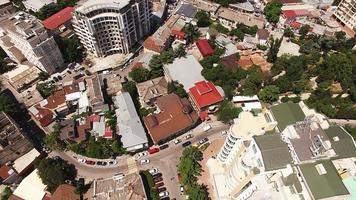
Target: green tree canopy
[192,33]
[55,171]
[140,74]
[7,105]
[203,19]
[53,141]
[227,111]
[273,10]
[269,93]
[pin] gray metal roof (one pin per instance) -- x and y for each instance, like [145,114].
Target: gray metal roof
[129,125]
[274,151]
[187,10]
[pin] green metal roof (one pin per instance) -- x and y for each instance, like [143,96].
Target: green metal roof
[341,142]
[325,185]
[287,114]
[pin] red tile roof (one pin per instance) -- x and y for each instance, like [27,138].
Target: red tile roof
[44,116]
[59,18]
[4,172]
[58,97]
[205,48]
[65,192]
[178,34]
[205,94]
[151,44]
[295,25]
[108,132]
[289,14]
[176,115]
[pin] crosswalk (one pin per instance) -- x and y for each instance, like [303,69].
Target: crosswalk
[131,165]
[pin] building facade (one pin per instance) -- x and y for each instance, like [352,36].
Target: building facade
[23,37]
[346,13]
[107,27]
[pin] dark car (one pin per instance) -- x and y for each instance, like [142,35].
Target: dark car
[162,189]
[102,163]
[89,162]
[158,179]
[157,175]
[185,144]
[163,146]
[160,184]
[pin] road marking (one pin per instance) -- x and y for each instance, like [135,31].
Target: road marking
[131,165]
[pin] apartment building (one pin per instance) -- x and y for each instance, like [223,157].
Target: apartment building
[346,14]
[24,38]
[109,26]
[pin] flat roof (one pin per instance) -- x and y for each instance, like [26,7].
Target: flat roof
[275,152]
[287,114]
[25,160]
[325,185]
[31,187]
[341,141]
[185,70]
[247,125]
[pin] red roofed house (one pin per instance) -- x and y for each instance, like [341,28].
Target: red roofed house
[204,94]
[179,35]
[60,21]
[205,48]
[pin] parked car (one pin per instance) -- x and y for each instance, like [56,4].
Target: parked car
[206,128]
[160,184]
[90,162]
[163,194]
[153,170]
[202,141]
[223,132]
[141,154]
[113,162]
[181,188]
[177,141]
[153,150]
[102,163]
[158,179]
[187,137]
[81,160]
[144,161]
[162,189]
[157,175]
[163,146]
[187,143]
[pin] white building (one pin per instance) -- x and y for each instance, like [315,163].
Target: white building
[23,37]
[31,187]
[36,5]
[107,26]
[346,14]
[129,126]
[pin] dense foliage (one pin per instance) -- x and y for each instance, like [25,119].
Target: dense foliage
[273,10]
[192,33]
[70,48]
[178,89]
[7,105]
[45,89]
[50,9]
[55,171]
[226,3]
[189,169]
[227,111]
[203,19]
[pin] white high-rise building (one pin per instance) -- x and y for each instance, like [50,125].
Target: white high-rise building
[24,38]
[346,13]
[112,26]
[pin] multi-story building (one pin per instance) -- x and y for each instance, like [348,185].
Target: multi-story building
[346,13]
[109,26]
[23,37]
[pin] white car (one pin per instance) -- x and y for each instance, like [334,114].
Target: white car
[188,136]
[153,171]
[163,194]
[141,154]
[181,188]
[223,132]
[144,161]
[177,141]
[81,160]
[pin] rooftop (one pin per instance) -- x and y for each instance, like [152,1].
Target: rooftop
[205,48]
[239,17]
[26,160]
[205,93]
[179,68]
[59,18]
[323,180]
[129,125]
[175,115]
[187,10]
[341,141]
[92,5]
[65,192]
[287,114]
[31,187]
[152,88]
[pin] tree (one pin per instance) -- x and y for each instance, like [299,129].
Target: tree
[55,171]
[203,19]
[303,31]
[269,93]
[192,33]
[273,10]
[130,87]
[288,32]
[70,48]
[178,89]
[43,75]
[226,3]
[4,67]
[45,89]
[167,56]
[7,105]
[273,50]
[198,192]
[156,66]
[6,193]
[140,74]
[227,111]
[180,52]
[53,141]
[189,167]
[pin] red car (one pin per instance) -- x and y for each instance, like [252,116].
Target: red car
[89,162]
[153,150]
[160,184]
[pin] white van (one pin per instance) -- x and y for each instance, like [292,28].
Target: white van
[206,128]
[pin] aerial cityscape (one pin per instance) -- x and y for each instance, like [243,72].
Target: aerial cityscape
[178,99]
